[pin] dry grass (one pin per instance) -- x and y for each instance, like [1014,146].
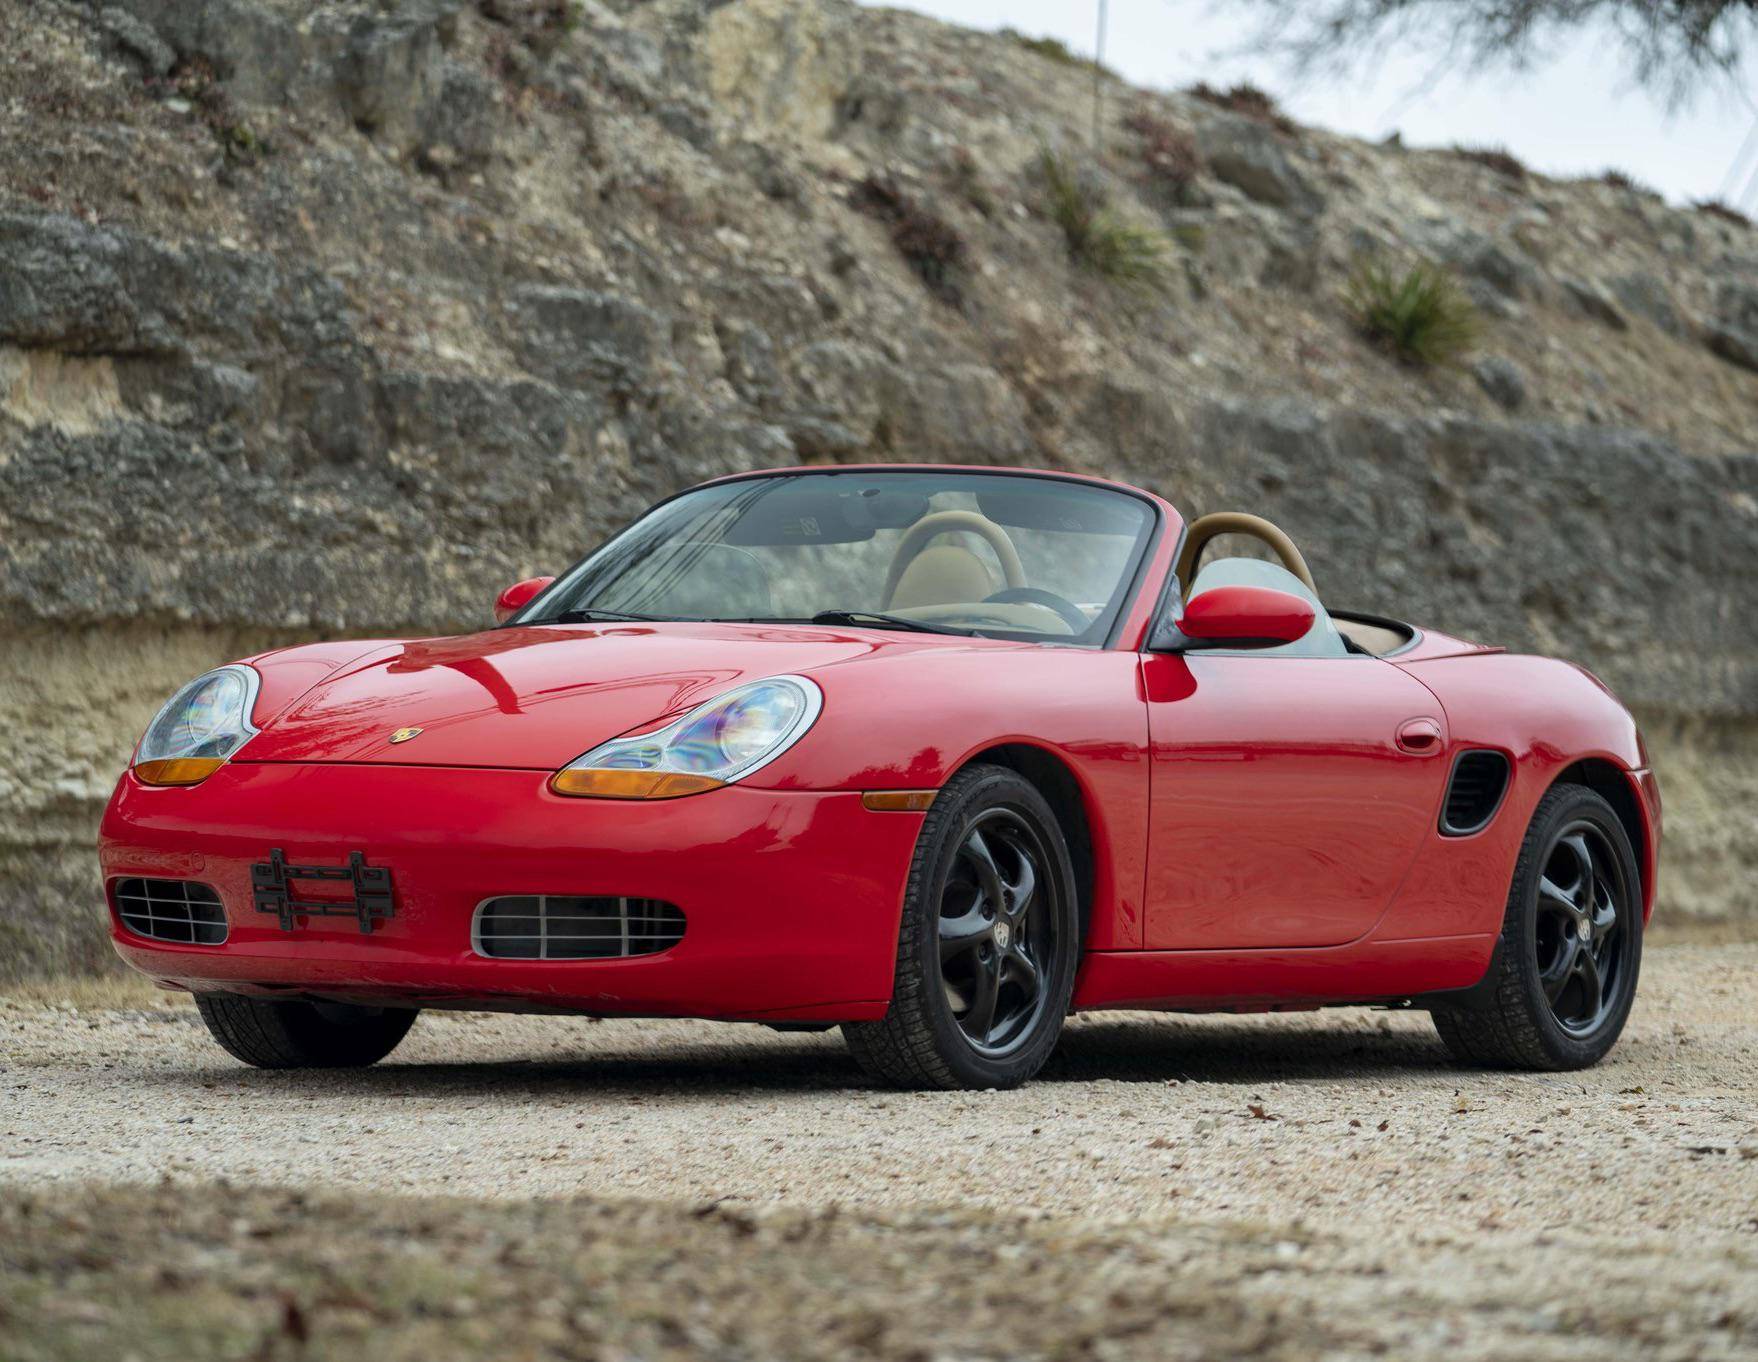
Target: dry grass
[1499,159]
[1169,154]
[1619,179]
[1716,208]
[158,1273]
[120,990]
[1248,101]
[1053,49]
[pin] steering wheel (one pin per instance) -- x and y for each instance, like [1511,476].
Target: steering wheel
[1070,613]
[918,536]
[1204,530]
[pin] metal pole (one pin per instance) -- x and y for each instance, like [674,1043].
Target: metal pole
[1099,82]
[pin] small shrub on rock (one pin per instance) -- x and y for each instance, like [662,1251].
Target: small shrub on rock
[1248,101]
[1419,315]
[1098,238]
[933,247]
[1169,154]
[1498,159]
[1725,211]
[1618,179]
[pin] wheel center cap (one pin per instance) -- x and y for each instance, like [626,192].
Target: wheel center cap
[1584,929]
[1003,934]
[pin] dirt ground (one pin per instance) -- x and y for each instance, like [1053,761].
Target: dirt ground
[1323,1185]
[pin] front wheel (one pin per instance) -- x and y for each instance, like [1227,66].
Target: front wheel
[1563,977]
[987,950]
[291,1035]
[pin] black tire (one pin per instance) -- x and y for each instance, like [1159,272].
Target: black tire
[1013,949]
[1558,992]
[277,1035]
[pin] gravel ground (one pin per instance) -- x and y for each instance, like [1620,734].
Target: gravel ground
[1329,1168]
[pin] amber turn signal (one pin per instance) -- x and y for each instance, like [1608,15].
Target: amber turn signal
[178,770]
[611,784]
[898,801]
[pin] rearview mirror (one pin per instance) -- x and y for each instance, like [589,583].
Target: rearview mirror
[517,596]
[1236,617]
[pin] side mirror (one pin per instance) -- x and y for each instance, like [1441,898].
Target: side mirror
[1236,617]
[517,596]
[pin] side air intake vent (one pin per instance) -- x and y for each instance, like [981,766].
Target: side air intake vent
[171,910]
[563,927]
[1480,779]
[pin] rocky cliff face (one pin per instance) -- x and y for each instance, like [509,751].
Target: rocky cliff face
[332,319]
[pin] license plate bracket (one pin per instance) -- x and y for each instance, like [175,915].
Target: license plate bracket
[271,890]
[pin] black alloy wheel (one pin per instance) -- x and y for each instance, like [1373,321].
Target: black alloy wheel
[1579,939]
[998,931]
[1563,977]
[988,945]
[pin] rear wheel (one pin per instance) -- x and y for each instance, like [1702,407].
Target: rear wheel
[1564,974]
[289,1035]
[988,946]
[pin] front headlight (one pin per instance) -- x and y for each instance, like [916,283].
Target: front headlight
[713,745]
[199,727]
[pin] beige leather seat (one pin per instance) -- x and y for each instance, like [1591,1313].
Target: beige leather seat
[924,573]
[942,574]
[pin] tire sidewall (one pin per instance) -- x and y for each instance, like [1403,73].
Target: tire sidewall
[1577,805]
[937,851]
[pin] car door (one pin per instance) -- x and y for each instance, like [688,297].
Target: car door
[1288,796]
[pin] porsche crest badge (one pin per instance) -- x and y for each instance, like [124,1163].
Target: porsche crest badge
[404,734]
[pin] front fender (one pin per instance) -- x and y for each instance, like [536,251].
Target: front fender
[909,721]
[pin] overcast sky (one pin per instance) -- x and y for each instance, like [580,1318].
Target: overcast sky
[1578,114]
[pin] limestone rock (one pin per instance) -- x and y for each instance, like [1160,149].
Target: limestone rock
[1251,157]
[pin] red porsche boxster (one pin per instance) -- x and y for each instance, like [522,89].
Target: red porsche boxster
[936,754]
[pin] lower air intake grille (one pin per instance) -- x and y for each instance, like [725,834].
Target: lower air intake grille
[1480,779]
[563,927]
[171,910]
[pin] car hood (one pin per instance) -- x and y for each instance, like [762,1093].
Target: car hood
[535,697]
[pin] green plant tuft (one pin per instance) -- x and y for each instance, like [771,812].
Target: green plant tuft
[1098,238]
[1420,315]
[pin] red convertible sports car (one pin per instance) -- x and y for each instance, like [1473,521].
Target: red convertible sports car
[936,754]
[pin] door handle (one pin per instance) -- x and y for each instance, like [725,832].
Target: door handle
[1419,737]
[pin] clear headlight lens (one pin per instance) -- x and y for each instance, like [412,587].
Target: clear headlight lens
[713,745]
[199,727]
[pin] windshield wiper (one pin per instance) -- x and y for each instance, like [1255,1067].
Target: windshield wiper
[588,615]
[878,619]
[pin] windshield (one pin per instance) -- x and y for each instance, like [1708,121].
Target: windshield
[1003,556]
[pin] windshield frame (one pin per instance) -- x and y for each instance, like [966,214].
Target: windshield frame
[1131,581]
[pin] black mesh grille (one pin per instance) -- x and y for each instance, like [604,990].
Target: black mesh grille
[171,910]
[1475,793]
[565,927]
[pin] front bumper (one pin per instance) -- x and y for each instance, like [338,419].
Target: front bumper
[791,899]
